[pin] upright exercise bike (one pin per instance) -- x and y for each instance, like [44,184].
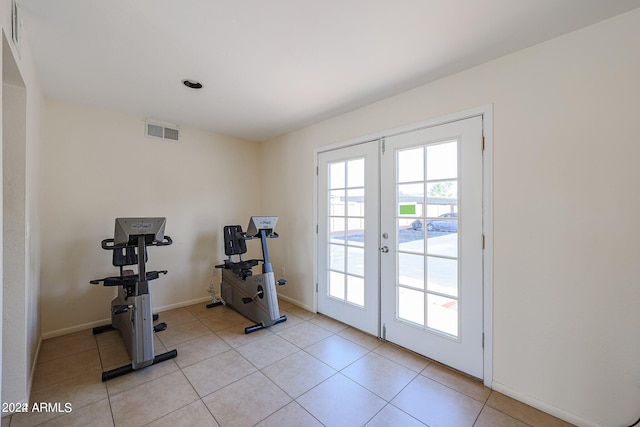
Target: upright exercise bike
[131,310]
[253,296]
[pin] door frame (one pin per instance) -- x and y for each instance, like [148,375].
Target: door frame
[486,112]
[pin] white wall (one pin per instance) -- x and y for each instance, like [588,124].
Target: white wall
[566,203]
[22,104]
[98,165]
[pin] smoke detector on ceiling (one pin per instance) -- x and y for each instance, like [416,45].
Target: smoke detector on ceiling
[162,131]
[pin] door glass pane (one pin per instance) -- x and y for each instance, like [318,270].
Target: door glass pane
[442,314]
[355,261]
[411,305]
[355,290]
[427,207]
[336,284]
[336,230]
[443,194]
[442,161]
[355,202]
[411,165]
[410,235]
[346,228]
[337,175]
[336,257]
[411,270]
[442,243]
[410,199]
[337,202]
[356,231]
[442,275]
[355,173]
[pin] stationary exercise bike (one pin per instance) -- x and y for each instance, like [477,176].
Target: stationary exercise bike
[131,309]
[253,296]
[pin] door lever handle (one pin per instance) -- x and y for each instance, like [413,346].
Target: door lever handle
[384,249]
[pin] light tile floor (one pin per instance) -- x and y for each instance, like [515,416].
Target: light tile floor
[308,371]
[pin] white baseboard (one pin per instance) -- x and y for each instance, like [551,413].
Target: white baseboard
[33,367]
[90,325]
[182,304]
[72,329]
[295,302]
[543,406]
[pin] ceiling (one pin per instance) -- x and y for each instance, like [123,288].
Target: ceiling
[269,67]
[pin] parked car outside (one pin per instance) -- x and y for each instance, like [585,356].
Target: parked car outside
[437,224]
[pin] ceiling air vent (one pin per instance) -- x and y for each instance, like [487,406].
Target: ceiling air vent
[168,132]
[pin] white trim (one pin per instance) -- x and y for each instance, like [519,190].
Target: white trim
[33,367]
[543,406]
[90,325]
[454,117]
[487,230]
[486,111]
[295,302]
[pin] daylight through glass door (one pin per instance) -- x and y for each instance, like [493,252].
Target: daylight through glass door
[427,237]
[346,231]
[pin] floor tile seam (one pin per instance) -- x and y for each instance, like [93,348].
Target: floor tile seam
[293,400]
[198,397]
[503,413]
[75,375]
[226,385]
[320,360]
[457,391]
[201,398]
[312,388]
[63,356]
[39,364]
[356,360]
[110,395]
[176,410]
[59,415]
[113,420]
[74,408]
[317,385]
[288,403]
[402,364]
[207,326]
[355,342]
[302,348]
[206,358]
[173,344]
[182,368]
[399,409]
[408,414]
[511,415]
[172,323]
[427,360]
[381,397]
[419,374]
[264,367]
[334,332]
[387,402]
[113,345]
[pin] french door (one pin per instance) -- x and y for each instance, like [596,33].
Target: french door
[431,229]
[400,240]
[348,224]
